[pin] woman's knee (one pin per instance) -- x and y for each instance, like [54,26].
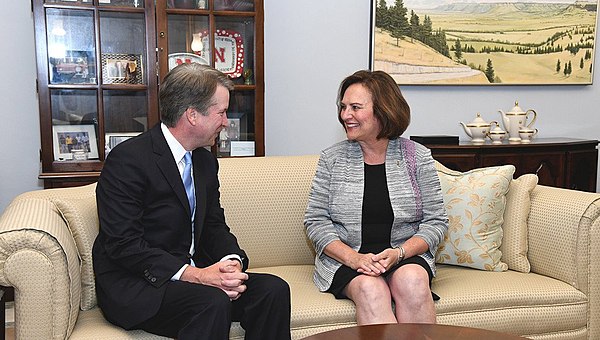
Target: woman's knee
[367,288]
[410,279]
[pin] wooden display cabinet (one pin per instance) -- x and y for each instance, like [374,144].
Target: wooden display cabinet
[100,64]
[560,162]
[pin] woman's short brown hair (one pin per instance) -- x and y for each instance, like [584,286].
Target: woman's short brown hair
[389,105]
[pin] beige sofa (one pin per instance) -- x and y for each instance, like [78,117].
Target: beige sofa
[46,236]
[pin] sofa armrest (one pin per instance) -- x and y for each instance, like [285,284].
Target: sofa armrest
[564,242]
[38,257]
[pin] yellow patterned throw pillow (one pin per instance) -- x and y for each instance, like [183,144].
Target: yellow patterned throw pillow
[514,241]
[475,203]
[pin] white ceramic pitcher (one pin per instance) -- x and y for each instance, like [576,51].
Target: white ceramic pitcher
[515,120]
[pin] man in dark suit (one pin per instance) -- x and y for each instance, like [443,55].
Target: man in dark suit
[165,260]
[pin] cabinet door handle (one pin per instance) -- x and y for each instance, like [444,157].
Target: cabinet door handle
[539,168]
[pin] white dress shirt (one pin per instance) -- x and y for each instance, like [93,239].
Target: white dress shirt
[178,152]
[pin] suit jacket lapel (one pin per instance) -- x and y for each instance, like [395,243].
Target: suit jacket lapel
[200,188]
[167,165]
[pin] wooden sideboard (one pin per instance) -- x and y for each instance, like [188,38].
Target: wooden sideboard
[559,162]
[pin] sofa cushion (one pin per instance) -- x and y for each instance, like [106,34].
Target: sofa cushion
[510,301]
[273,206]
[475,203]
[81,217]
[312,310]
[91,324]
[514,241]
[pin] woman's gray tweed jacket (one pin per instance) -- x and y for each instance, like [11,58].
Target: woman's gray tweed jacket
[334,209]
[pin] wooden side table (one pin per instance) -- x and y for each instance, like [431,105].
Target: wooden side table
[559,162]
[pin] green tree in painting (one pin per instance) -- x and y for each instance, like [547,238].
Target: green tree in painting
[427,31]
[398,23]
[394,20]
[415,27]
[439,42]
[382,15]
[568,69]
[581,64]
[489,71]
[458,50]
[558,66]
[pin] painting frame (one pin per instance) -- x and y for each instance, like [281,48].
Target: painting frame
[84,134]
[559,56]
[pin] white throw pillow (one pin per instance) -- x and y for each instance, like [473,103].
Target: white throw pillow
[81,216]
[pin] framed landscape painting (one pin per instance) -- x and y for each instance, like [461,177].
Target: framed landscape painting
[491,42]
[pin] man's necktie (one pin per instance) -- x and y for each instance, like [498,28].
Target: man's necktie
[187,181]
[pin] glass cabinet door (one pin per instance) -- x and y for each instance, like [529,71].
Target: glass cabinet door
[123,51]
[71,46]
[220,33]
[93,78]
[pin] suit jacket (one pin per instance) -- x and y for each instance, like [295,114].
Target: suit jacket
[334,209]
[145,225]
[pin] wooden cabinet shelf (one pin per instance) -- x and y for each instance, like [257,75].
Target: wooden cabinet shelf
[560,162]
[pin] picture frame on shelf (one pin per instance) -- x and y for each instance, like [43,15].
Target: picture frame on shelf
[75,67]
[242,148]
[112,139]
[122,68]
[74,142]
[229,134]
[242,120]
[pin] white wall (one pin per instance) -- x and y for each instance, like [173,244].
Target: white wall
[19,124]
[310,46]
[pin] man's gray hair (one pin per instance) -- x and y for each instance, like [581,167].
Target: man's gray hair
[189,85]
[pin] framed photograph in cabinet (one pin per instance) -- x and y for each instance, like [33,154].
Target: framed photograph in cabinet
[113,139]
[75,67]
[229,134]
[74,142]
[242,148]
[483,42]
[122,68]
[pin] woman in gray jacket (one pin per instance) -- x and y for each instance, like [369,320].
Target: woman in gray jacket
[375,213]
